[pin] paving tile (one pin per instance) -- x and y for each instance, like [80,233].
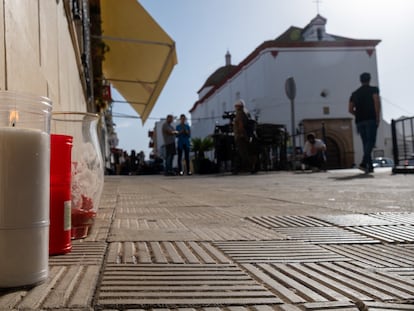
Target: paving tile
[399,218]
[384,306]
[376,255]
[325,235]
[102,223]
[406,272]
[348,220]
[120,234]
[142,286]
[330,281]
[71,283]
[176,230]
[390,233]
[277,251]
[234,232]
[288,221]
[135,223]
[183,211]
[67,287]
[82,253]
[165,252]
[331,306]
[261,307]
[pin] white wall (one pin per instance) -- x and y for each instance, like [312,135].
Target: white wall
[261,84]
[37,53]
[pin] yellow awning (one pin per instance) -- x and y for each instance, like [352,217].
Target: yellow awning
[141,55]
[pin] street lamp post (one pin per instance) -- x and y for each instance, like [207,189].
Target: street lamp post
[290,88]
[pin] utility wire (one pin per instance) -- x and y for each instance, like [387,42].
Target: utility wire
[392,104]
[128,116]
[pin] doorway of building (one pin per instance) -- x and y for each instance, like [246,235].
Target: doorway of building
[333,154]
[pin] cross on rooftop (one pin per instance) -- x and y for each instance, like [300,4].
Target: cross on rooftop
[318,2]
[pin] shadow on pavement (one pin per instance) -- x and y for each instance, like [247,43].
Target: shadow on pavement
[350,177]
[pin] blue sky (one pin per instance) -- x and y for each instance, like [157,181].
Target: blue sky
[204,30]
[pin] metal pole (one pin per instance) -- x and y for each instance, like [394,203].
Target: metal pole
[293,133]
[290,89]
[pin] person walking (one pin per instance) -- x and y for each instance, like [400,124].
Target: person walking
[183,145]
[168,133]
[365,105]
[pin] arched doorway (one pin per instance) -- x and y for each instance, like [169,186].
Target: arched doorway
[337,134]
[333,154]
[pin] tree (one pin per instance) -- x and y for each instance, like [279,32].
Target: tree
[200,146]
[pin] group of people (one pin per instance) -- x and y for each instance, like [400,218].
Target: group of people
[364,104]
[246,151]
[124,163]
[182,134]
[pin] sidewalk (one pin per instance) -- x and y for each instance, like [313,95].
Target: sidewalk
[338,240]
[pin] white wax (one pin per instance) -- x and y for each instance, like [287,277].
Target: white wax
[24,206]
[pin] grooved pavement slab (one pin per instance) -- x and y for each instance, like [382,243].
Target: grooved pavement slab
[277,251]
[271,241]
[166,252]
[326,235]
[141,286]
[392,234]
[376,255]
[399,218]
[287,221]
[313,282]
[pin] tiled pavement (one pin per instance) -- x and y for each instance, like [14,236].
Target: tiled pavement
[272,241]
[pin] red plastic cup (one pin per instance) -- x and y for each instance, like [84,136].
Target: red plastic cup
[60,194]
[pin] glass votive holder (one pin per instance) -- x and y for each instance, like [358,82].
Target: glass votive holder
[87,167]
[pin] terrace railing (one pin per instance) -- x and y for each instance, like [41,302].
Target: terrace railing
[403,144]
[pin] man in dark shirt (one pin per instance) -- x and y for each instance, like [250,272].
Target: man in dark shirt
[168,133]
[365,105]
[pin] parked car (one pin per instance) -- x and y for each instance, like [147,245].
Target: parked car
[382,162]
[409,162]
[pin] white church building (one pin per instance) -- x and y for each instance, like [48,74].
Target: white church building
[325,69]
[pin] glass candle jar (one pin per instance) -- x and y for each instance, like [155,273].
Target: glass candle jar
[24,188]
[87,170]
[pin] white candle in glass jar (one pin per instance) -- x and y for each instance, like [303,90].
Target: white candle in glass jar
[24,206]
